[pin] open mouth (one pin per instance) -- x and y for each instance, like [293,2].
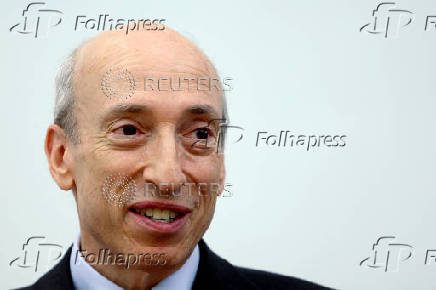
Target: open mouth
[158,215]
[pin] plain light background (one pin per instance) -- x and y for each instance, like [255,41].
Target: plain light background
[301,66]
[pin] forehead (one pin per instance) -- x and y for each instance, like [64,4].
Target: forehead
[166,51]
[116,68]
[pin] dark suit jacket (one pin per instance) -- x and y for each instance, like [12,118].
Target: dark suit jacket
[213,273]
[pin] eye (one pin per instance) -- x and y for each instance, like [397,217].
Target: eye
[199,139]
[202,133]
[129,130]
[127,134]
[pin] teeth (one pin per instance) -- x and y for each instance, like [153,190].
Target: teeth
[156,214]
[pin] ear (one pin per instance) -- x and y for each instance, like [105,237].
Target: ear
[58,151]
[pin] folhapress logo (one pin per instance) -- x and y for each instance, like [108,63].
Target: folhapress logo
[387,255]
[388,20]
[35,251]
[36,20]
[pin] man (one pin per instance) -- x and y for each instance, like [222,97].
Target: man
[136,134]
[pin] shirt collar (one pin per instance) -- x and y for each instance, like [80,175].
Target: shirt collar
[85,277]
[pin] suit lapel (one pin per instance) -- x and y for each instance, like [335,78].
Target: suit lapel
[216,273]
[58,278]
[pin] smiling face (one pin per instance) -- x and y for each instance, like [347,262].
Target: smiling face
[150,137]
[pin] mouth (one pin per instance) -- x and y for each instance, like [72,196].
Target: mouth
[158,215]
[163,217]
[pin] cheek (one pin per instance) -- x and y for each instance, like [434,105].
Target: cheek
[204,169]
[98,217]
[90,204]
[94,166]
[91,176]
[206,172]
[205,214]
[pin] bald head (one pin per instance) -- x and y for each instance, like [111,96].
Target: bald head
[144,52]
[160,50]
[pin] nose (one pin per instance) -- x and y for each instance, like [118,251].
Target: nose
[164,161]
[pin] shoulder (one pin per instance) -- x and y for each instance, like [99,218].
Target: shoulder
[217,273]
[269,280]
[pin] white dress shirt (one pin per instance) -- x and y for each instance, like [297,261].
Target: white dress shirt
[85,277]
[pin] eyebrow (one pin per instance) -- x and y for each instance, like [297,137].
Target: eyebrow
[121,110]
[198,110]
[203,110]
[129,108]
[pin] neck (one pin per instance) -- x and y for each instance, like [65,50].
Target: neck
[132,278]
